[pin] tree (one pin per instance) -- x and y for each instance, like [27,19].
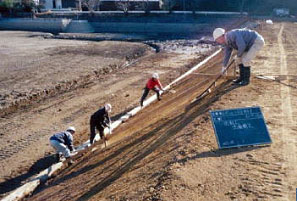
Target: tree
[28,5]
[11,7]
[6,6]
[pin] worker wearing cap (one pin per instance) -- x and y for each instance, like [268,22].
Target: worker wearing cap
[246,42]
[100,120]
[62,142]
[152,84]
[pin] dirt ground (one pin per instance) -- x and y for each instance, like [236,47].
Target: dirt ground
[169,151]
[41,100]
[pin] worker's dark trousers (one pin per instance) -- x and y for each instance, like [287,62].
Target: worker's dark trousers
[145,93]
[93,126]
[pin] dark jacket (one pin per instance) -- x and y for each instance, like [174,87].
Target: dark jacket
[100,117]
[65,138]
[239,39]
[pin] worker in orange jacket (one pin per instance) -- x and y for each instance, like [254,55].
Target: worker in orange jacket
[152,84]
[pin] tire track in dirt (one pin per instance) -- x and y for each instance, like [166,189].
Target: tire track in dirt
[288,135]
[19,145]
[263,179]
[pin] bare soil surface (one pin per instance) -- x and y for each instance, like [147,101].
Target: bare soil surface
[169,151]
[62,84]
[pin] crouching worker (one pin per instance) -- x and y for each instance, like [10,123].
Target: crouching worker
[247,43]
[99,120]
[152,84]
[63,143]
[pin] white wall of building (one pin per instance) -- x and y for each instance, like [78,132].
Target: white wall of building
[58,4]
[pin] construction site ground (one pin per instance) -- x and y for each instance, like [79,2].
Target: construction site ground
[168,151]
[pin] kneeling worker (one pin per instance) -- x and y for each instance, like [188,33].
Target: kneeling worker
[246,42]
[100,120]
[152,84]
[62,143]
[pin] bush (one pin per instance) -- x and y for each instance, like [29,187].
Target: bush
[8,6]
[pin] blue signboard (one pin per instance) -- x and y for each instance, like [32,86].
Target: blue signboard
[239,127]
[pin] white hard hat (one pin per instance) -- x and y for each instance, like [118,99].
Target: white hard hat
[108,107]
[218,32]
[71,128]
[155,75]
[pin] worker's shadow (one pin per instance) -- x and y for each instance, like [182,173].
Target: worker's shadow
[132,153]
[16,182]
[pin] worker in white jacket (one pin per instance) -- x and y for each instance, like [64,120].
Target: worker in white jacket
[246,42]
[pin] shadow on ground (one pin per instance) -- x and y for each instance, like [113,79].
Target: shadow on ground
[16,182]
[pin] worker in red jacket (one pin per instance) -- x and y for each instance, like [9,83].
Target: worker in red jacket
[152,84]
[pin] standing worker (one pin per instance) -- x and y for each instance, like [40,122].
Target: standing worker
[62,143]
[100,120]
[247,43]
[152,84]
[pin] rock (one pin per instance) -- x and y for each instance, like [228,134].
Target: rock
[152,189]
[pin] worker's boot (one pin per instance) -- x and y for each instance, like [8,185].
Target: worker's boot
[159,98]
[241,72]
[246,76]
[92,138]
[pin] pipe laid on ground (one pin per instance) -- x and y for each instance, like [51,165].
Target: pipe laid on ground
[30,186]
